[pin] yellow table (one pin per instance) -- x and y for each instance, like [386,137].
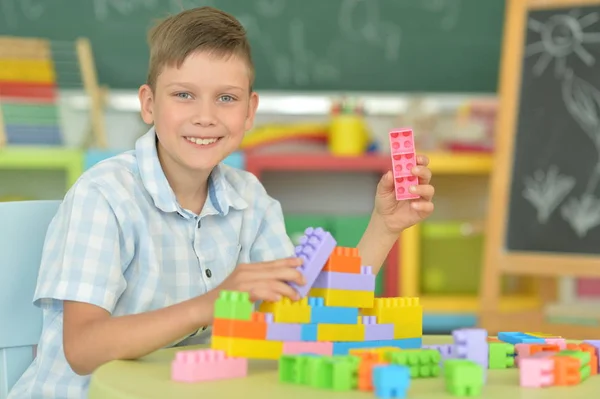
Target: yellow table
[149,378]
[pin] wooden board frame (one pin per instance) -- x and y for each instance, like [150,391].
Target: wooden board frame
[497,260]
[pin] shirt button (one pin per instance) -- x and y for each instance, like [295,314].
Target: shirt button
[208,273]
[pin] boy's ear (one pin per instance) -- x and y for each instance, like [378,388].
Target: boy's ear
[252,107]
[146,104]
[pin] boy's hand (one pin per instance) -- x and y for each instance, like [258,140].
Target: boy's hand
[266,281]
[399,215]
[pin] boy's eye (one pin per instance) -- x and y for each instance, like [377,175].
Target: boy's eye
[184,96]
[226,98]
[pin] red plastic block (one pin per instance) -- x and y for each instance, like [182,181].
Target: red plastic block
[404,158]
[318,348]
[43,92]
[205,365]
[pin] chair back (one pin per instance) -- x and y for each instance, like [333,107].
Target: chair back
[23,227]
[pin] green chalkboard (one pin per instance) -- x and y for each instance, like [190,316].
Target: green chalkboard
[302,45]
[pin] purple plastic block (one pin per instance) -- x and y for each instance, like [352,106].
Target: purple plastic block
[447,351]
[269,318]
[595,344]
[284,332]
[365,281]
[315,248]
[471,344]
[379,332]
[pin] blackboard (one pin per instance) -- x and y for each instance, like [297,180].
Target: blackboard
[301,45]
[555,186]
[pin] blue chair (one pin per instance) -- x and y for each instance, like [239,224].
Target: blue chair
[23,227]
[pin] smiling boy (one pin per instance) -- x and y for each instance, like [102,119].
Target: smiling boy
[143,242]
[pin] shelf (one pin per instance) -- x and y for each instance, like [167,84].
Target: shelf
[20,157]
[470,304]
[440,162]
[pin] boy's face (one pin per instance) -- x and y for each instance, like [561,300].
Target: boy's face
[201,110]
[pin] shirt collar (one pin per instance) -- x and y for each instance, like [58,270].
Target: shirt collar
[221,194]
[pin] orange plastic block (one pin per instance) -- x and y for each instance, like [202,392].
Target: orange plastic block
[365,373]
[344,260]
[591,350]
[566,371]
[526,350]
[493,339]
[256,328]
[377,353]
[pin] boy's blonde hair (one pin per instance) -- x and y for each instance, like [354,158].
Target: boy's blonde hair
[198,29]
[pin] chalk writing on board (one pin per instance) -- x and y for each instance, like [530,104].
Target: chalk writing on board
[361,20]
[560,36]
[450,10]
[270,8]
[30,9]
[546,190]
[294,63]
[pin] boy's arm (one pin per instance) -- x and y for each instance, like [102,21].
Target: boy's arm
[376,243]
[88,247]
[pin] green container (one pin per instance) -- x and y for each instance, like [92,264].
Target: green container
[348,232]
[451,257]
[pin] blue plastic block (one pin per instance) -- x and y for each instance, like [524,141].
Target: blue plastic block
[320,314]
[309,332]
[391,381]
[342,348]
[519,338]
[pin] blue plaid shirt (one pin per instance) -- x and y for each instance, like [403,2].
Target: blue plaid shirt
[121,241]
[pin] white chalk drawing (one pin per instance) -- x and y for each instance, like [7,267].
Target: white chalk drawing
[583,215]
[270,8]
[561,36]
[546,190]
[450,11]
[361,20]
[30,9]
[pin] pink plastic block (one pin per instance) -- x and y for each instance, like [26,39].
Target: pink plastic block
[365,281]
[205,365]
[537,371]
[317,348]
[404,158]
[377,332]
[315,247]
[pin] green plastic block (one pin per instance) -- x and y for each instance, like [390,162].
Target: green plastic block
[233,305]
[293,369]
[421,362]
[501,355]
[338,373]
[463,377]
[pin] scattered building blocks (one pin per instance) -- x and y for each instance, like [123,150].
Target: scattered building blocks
[526,350]
[447,351]
[471,344]
[571,367]
[391,381]
[205,365]
[248,348]
[537,371]
[519,338]
[365,371]
[596,345]
[421,362]
[353,299]
[404,158]
[342,348]
[562,344]
[343,260]
[327,372]
[315,247]
[379,354]
[365,281]
[593,355]
[463,377]
[233,305]
[301,347]
[501,355]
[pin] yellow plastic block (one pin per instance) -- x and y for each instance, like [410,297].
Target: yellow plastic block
[341,332]
[394,310]
[248,348]
[288,311]
[413,329]
[345,298]
[380,352]
[27,70]
[543,335]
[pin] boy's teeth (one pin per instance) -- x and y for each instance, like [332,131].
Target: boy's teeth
[201,141]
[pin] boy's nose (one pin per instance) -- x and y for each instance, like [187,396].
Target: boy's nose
[204,116]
